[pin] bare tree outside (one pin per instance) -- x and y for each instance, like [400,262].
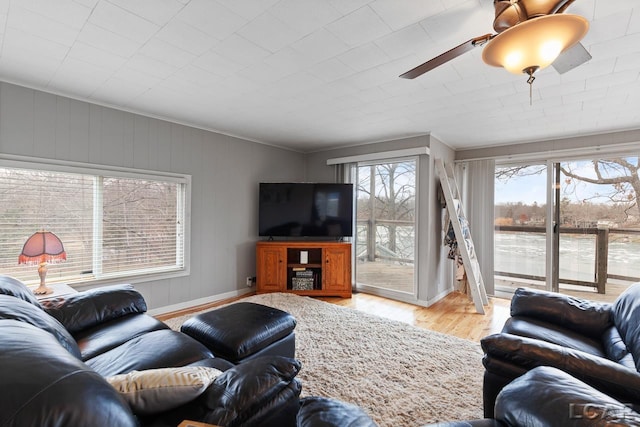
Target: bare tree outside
[138,221]
[602,189]
[35,200]
[617,180]
[386,194]
[386,202]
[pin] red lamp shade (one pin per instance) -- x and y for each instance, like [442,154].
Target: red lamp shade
[42,246]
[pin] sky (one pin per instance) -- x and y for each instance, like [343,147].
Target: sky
[530,189]
[525,189]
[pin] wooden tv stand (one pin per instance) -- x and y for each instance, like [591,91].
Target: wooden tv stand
[282,267]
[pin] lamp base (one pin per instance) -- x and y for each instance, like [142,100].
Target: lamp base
[42,290]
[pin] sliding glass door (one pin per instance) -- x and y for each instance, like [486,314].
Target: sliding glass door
[571,226]
[520,245]
[386,213]
[599,225]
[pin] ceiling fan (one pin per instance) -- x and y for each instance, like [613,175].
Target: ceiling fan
[530,35]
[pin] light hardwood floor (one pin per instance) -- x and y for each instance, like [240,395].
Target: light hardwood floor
[454,315]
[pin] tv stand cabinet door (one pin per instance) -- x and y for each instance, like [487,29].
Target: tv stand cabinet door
[271,269]
[337,268]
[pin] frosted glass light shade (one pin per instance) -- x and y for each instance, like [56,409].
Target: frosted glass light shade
[534,43]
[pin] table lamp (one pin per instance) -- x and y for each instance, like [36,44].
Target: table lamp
[41,248]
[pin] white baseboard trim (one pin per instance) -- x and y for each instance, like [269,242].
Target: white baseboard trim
[504,294]
[440,296]
[394,295]
[200,301]
[403,297]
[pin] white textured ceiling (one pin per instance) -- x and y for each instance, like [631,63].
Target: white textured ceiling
[313,74]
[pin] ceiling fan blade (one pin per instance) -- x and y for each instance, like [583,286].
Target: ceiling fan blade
[447,56]
[571,58]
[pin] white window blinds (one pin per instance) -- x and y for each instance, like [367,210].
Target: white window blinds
[110,225]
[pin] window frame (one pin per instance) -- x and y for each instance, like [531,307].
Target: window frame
[101,171]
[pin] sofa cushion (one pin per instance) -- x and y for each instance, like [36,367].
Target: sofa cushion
[44,385]
[17,309]
[216,362]
[547,396]
[108,335]
[158,349]
[616,349]
[626,317]
[94,306]
[238,393]
[586,317]
[553,333]
[158,390]
[527,353]
[15,288]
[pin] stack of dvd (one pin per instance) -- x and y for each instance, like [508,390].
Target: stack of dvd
[302,280]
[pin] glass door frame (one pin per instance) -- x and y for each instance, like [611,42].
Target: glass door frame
[554,182]
[552,211]
[545,277]
[552,235]
[375,290]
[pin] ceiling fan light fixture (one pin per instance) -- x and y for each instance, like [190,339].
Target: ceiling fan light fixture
[534,43]
[550,50]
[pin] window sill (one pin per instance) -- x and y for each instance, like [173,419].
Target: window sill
[82,283]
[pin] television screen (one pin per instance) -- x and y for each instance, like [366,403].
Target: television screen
[305,210]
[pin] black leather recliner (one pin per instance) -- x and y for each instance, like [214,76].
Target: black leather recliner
[549,397]
[54,357]
[597,343]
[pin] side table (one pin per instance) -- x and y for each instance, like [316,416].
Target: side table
[59,290]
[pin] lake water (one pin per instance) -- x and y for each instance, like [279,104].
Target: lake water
[524,253]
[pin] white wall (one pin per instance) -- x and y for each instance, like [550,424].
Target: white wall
[435,278]
[225,175]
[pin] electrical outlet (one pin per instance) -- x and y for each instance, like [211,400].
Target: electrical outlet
[249,282]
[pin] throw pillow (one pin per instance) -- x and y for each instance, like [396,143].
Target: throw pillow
[157,390]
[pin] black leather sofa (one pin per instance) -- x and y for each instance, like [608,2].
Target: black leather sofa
[54,358]
[549,397]
[596,343]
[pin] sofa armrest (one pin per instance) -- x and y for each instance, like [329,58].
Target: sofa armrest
[550,397]
[258,392]
[44,385]
[589,318]
[326,412]
[605,375]
[485,422]
[89,308]
[243,391]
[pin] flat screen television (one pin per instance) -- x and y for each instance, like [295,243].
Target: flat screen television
[305,210]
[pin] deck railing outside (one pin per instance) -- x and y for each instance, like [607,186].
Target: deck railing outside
[600,258]
[370,248]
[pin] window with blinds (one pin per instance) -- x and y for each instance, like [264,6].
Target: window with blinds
[112,225]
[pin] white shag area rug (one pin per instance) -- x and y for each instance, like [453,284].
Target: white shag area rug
[399,374]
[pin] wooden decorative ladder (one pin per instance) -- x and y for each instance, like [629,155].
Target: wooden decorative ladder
[463,235]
